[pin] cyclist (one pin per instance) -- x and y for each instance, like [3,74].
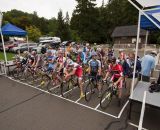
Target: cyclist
[117,78]
[61,60]
[37,60]
[81,57]
[75,69]
[95,70]
[51,60]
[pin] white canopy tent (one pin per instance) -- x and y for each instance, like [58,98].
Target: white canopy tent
[138,30]
[148,3]
[143,3]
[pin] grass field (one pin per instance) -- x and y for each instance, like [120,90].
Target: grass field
[9,56]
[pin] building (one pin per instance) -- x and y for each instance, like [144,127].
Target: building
[125,36]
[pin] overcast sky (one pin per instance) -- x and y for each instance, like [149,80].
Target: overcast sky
[44,8]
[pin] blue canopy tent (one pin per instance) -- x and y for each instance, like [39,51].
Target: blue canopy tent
[11,30]
[146,24]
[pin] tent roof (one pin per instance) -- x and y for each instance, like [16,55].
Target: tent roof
[148,3]
[12,30]
[147,24]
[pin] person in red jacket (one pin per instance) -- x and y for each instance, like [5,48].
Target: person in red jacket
[116,72]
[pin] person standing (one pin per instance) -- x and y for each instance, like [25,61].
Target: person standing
[148,65]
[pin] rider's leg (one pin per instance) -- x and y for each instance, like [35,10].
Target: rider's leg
[81,87]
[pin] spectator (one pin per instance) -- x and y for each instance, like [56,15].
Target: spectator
[148,65]
[110,53]
[128,67]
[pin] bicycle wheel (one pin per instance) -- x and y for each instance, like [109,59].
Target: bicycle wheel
[15,73]
[106,98]
[28,76]
[89,90]
[45,82]
[66,87]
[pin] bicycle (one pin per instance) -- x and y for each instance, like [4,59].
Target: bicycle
[53,76]
[111,91]
[89,89]
[68,86]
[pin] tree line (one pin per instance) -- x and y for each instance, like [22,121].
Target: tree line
[87,23]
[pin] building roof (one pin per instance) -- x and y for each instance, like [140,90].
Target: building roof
[127,31]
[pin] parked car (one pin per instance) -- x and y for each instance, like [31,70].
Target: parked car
[45,43]
[24,47]
[6,45]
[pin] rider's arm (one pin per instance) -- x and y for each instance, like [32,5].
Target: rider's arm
[72,72]
[38,59]
[89,68]
[99,68]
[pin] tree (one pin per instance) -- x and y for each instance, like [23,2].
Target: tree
[33,33]
[85,20]
[62,28]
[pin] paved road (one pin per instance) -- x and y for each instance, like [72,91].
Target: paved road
[25,108]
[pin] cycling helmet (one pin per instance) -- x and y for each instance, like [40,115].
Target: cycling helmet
[33,52]
[60,52]
[121,50]
[99,49]
[94,54]
[70,62]
[79,50]
[49,51]
[26,53]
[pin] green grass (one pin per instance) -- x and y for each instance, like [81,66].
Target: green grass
[9,56]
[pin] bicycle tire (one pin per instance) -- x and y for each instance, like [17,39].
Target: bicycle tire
[45,82]
[89,91]
[67,87]
[29,77]
[15,72]
[106,98]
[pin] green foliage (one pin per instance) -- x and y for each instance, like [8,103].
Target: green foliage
[9,56]
[63,28]
[33,33]
[96,24]
[88,22]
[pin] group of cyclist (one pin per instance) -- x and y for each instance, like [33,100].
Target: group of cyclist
[70,61]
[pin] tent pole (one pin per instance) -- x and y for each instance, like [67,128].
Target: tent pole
[147,33]
[4,50]
[27,43]
[137,44]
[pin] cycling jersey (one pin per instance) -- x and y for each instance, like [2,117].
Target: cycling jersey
[78,70]
[118,69]
[118,72]
[94,65]
[61,60]
[51,63]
